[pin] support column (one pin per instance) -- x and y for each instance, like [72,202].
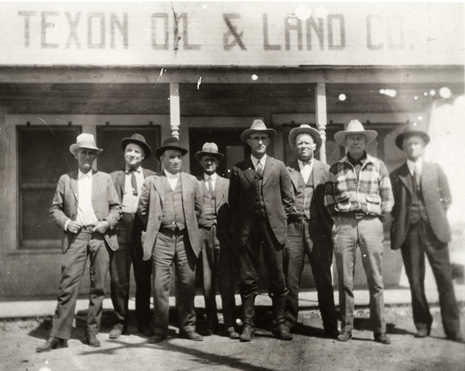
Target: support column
[175,109]
[321,118]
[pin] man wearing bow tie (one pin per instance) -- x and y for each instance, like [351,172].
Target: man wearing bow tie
[420,227]
[261,198]
[309,229]
[218,258]
[128,184]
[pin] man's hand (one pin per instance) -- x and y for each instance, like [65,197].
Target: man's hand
[101,227]
[74,227]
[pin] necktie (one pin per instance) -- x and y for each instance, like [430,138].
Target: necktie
[416,176]
[259,168]
[133,182]
[210,187]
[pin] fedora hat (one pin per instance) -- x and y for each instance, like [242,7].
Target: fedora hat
[305,129]
[139,140]
[409,131]
[170,143]
[257,126]
[354,127]
[210,149]
[84,140]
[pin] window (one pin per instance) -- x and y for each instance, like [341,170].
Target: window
[43,156]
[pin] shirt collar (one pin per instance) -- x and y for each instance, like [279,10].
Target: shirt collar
[171,176]
[137,170]
[355,162]
[256,160]
[82,175]
[213,176]
[412,166]
[301,163]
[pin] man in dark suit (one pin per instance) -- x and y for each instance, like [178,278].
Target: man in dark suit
[419,226]
[309,229]
[261,198]
[128,184]
[218,258]
[87,209]
[169,206]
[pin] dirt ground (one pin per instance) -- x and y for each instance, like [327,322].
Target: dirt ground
[309,350]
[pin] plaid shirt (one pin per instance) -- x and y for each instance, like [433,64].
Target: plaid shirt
[371,193]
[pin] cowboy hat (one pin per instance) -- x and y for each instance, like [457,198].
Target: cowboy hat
[210,149]
[410,131]
[140,141]
[355,127]
[257,126]
[170,143]
[304,129]
[84,140]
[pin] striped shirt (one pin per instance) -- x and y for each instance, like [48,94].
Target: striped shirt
[370,194]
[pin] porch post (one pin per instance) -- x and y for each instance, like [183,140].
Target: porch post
[175,109]
[321,118]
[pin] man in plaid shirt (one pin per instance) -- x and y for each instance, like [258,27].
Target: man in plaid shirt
[359,197]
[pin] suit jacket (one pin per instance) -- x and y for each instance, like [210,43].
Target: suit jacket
[150,210]
[221,202]
[105,203]
[436,196]
[320,175]
[277,193]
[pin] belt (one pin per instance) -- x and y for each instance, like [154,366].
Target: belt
[87,228]
[357,215]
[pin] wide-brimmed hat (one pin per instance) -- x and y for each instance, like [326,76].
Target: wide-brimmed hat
[409,131]
[257,126]
[84,140]
[210,149]
[170,143]
[354,127]
[305,129]
[140,141]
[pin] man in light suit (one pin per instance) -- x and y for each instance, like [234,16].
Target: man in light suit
[309,229]
[419,226]
[261,198]
[87,209]
[169,206]
[218,258]
[128,184]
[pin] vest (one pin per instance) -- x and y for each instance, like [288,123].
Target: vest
[417,209]
[259,201]
[304,199]
[208,217]
[173,212]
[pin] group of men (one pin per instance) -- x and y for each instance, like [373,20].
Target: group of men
[172,219]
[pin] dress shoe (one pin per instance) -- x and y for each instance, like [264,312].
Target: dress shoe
[247,333]
[93,341]
[191,335]
[344,336]
[458,338]
[382,338]
[146,330]
[52,343]
[157,338]
[117,331]
[422,333]
[232,334]
[282,332]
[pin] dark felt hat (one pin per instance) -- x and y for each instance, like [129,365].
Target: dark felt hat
[139,140]
[305,129]
[170,143]
[409,131]
[210,149]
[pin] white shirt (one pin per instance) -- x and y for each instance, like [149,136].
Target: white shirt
[255,161]
[85,213]
[172,179]
[415,166]
[306,169]
[130,202]
[213,177]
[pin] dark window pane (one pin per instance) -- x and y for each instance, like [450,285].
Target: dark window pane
[44,153]
[109,139]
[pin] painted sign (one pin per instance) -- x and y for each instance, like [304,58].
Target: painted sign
[231,34]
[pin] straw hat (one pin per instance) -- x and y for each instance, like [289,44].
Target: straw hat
[84,140]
